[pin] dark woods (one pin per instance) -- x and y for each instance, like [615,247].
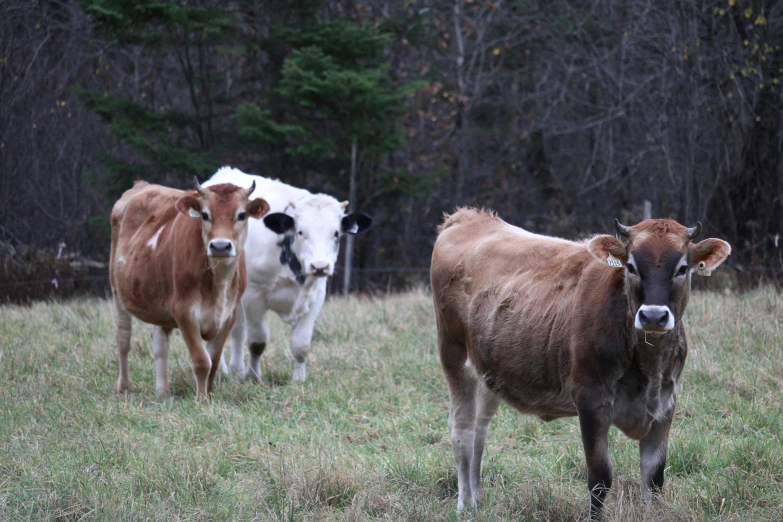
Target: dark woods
[560,115]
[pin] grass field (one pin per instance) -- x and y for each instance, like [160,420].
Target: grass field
[366,437]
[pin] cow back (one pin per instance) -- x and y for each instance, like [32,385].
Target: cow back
[151,243]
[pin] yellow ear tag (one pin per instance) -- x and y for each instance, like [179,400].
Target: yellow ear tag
[614,262]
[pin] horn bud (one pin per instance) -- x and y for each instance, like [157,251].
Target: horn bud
[250,190]
[198,186]
[694,232]
[621,229]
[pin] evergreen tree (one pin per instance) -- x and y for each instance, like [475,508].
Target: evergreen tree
[180,137]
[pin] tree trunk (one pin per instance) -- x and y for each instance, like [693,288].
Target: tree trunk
[350,237]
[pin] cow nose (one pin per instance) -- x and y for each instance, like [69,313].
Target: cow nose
[319,267]
[656,317]
[221,247]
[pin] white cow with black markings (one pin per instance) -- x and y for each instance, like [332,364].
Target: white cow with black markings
[289,257]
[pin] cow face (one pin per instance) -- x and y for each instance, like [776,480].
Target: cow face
[311,231]
[658,257]
[223,210]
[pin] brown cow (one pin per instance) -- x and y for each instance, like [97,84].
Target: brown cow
[177,261]
[559,328]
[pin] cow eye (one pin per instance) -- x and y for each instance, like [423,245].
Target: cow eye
[301,233]
[205,216]
[682,270]
[631,269]
[241,216]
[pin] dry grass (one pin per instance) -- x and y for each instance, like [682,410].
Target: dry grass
[366,437]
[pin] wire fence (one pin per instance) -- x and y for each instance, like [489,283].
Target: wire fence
[370,281]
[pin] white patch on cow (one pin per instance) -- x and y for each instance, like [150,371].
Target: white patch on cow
[532,235]
[153,242]
[121,259]
[653,309]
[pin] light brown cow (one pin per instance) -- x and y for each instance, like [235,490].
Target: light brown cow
[560,328]
[177,261]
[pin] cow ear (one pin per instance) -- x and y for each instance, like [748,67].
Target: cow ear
[257,208]
[189,205]
[707,255]
[279,223]
[355,223]
[609,250]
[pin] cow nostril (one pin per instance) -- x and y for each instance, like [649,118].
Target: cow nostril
[319,268]
[220,246]
[664,318]
[642,318]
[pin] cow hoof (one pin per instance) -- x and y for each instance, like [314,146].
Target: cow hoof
[125,389]
[300,373]
[162,394]
[236,370]
[252,376]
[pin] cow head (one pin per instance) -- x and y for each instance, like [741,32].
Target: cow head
[311,229]
[658,257]
[223,210]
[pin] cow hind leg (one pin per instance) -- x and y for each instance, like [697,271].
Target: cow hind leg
[123,336]
[462,422]
[486,406]
[160,351]
[652,456]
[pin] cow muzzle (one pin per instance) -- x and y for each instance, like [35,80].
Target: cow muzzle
[654,319]
[320,268]
[221,248]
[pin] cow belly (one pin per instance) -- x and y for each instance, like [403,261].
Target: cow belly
[530,394]
[145,304]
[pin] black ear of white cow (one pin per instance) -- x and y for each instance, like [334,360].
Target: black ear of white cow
[278,222]
[356,222]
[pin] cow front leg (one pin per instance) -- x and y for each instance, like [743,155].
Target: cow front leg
[595,418]
[237,336]
[215,351]
[199,357]
[302,336]
[258,338]
[123,336]
[652,456]
[160,352]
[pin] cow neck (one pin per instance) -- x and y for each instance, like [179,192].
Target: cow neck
[289,259]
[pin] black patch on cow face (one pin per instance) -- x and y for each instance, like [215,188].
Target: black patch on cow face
[278,222]
[287,257]
[355,223]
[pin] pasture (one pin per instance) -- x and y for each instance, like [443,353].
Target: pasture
[366,437]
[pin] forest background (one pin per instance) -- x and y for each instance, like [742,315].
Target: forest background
[559,114]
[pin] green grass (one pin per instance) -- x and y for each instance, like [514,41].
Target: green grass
[366,437]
